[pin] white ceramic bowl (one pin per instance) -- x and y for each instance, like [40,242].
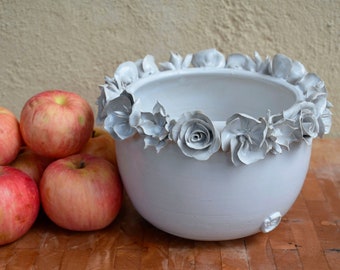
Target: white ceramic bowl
[236,165]
[212,199]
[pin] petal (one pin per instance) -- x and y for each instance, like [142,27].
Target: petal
[248,154]
[101,103]
[258,132]
[325,122]
[187,61]
[293,112]
[240,61]
[310,82]
[281,66]
[261,66]
[110,92]
[274,147]
[119,130]
[158,108]
[208,58]
[240,123]
[285,133]
[197,140]
[123,131]
[319,99]
[154,142]
[121,104]
[235,145]
[149,66]
[127,72]
[135,118]
[150,128]
[176,59]
[166,66]
[189,152]
[297,72]
[234,125]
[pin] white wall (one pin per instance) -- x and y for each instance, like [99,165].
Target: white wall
[72,45]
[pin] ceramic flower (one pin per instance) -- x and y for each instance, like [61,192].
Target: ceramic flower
[101,104]
[303,117]
[319,99]
[297,72]
[209,58]
[261,65]
[195,135]
[240,61]
[280,66]
[311,83]
[273,136]
[280,133]
[244,136]
[176,62]
[127,72]
[325,122]
[315,91]
[283,67]
[108,91]
[112,88]
[154,127]
[117,121]
[146,66]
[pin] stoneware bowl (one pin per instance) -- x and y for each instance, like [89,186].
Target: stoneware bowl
[212,147]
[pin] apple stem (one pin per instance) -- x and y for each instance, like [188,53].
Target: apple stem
[82,164]
[93,133]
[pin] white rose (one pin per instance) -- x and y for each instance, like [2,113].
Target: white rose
[195,135]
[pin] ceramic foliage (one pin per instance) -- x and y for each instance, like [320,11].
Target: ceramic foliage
[245,138]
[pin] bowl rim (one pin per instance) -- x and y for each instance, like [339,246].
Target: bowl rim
[246,138]
[208,72]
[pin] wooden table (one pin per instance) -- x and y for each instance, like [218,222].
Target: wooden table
[307,238]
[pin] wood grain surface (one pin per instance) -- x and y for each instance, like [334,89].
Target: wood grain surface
[307,238]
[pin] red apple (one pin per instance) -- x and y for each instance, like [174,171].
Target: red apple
[19,204]
[10,138]
[31,163]
[101,144]
[56,123]
[81,192]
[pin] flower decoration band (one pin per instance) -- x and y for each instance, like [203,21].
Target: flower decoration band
[245,138]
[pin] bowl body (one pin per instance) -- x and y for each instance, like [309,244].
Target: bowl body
[212,199]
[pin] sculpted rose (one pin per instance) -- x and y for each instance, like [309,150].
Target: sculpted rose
[195,135]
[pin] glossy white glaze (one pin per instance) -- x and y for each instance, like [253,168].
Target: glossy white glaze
[232,136]
[209,200]
[212,199]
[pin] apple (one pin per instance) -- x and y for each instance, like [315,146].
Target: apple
[10,138]
[19,204]
[56,123]
[81,192]
[31,163]
[101,144]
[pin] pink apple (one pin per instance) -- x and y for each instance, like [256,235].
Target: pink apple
[81,192]
[56,123]
[19,204]
[10,138]
[31,163]
[101,144]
